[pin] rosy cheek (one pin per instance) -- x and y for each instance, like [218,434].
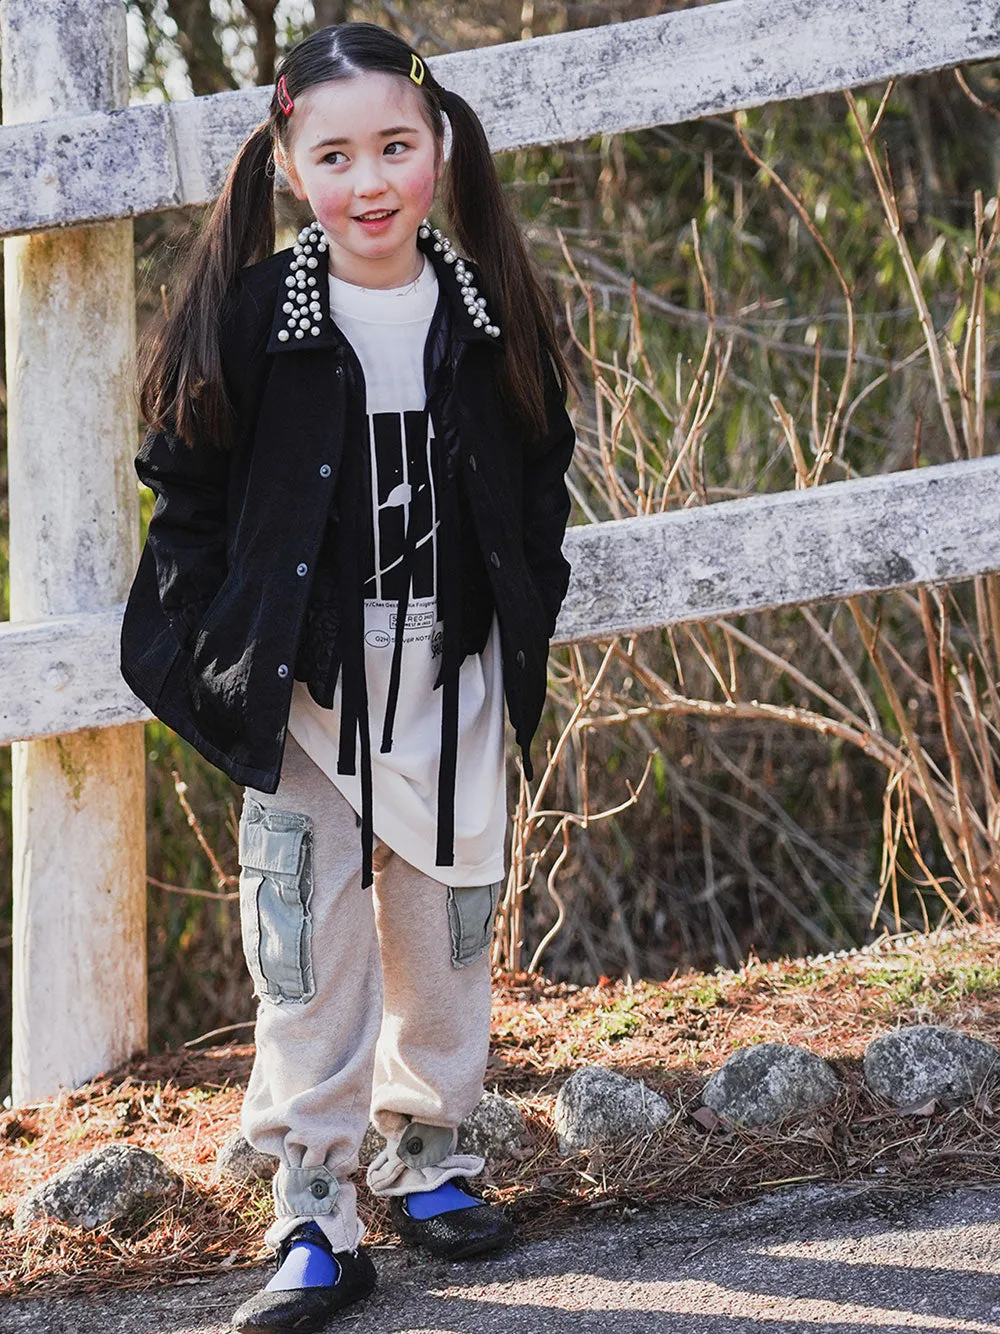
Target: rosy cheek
[332,201]
[420,187]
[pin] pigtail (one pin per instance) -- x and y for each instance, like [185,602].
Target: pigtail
[487,231]
[179,373]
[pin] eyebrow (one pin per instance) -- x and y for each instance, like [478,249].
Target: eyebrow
[393,129]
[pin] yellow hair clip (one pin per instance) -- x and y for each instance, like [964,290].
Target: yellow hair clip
[416,64]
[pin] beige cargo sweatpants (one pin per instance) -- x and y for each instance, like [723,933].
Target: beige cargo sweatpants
[374,1004]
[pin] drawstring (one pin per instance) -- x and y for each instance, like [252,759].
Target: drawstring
[354,685]
[448,673]
[402,606]
[447,771]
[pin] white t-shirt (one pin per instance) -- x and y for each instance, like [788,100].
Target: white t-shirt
[388,329]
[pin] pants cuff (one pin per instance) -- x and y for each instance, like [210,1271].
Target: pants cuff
[314,1194]
[389,1175]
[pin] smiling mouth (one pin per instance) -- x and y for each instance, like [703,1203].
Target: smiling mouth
[375,216]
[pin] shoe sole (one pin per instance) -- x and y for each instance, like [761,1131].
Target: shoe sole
[473,1247]
[484,1246]
[309,1323]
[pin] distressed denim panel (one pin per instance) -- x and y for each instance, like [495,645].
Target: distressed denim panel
[424,1146]
[471,909]
[304,1191]
[275,853]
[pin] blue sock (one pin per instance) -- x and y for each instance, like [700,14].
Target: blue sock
[307,1265]
[442,1199]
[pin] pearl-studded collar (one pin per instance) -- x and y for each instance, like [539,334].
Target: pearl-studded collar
[302,305]
[302,316]
[475,304]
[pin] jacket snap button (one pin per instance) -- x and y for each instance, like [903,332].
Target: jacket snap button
[415,1145]
[324,470]
[520,657]
[495,559]
[472,462]
[301,568]
[319,1189]
[339,370]
[283,669]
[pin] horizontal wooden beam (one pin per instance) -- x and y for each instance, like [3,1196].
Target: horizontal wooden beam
[930,525]
[673,67]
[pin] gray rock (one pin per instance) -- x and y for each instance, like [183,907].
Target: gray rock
[493,1130]
[239,1159]
[116,1184]
[762,1085]
[596,1106]
[923,1061]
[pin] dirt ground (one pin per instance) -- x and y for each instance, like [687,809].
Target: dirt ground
[184,1104]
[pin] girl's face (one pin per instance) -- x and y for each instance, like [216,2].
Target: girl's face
[363,155]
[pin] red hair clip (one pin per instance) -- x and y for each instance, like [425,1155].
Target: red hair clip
[284,101]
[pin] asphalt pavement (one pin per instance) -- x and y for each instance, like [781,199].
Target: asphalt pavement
[801,1261]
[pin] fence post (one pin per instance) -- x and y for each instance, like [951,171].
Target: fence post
[79,799]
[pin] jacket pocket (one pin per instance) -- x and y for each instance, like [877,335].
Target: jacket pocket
[276,877]
[471,910]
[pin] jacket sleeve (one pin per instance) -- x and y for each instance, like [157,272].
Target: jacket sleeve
[187,529]
[547,502]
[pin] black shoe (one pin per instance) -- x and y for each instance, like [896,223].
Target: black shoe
[304,1310]
[456,1234]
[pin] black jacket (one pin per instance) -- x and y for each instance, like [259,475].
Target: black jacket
[244,583]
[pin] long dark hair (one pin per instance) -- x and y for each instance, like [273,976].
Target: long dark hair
[179,371]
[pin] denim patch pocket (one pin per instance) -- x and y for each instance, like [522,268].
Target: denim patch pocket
[471,909]
[275,854]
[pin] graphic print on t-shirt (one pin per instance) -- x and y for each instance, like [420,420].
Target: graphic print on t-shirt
[402,491]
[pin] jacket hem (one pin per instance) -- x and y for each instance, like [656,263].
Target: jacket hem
[264,780]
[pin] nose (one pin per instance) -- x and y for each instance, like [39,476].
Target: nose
[370,179]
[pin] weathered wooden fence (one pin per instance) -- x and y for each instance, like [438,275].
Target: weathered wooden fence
[77,163]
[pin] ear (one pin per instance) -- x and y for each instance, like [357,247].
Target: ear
[288,167]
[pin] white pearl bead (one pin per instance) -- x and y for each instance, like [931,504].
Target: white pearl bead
[290,281]
[314,329]
[300,333]
[312,261]
[287,307]
[283,335]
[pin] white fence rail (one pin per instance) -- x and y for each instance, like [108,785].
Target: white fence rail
[626,76]
[929,525]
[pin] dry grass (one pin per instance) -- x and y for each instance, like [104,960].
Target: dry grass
[672,1034]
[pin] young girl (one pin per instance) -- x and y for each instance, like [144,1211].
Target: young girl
[358,448]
